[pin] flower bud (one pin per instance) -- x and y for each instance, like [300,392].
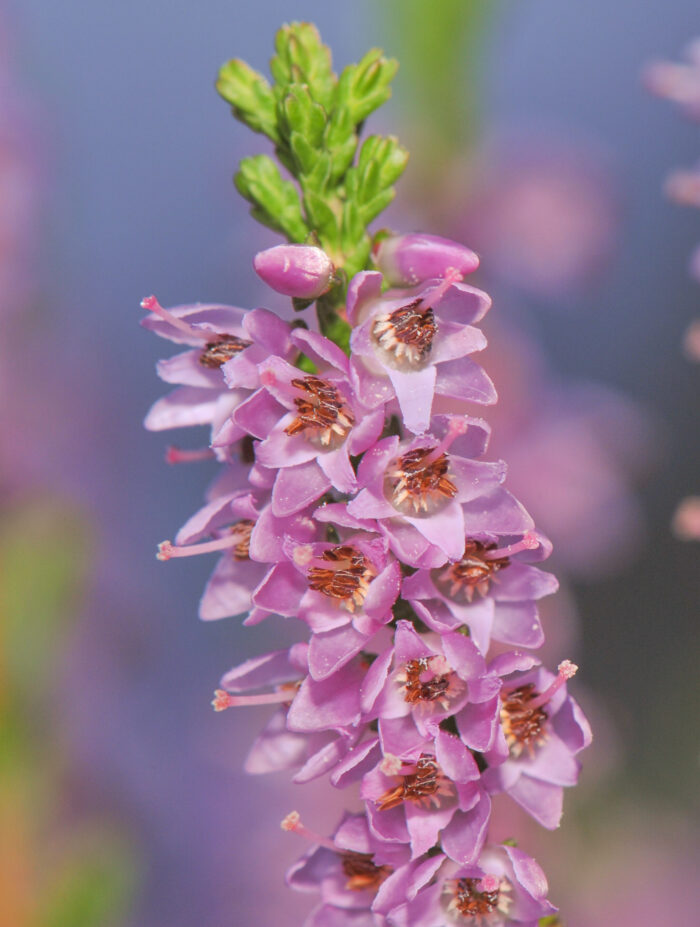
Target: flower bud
[409,259]
[299,271]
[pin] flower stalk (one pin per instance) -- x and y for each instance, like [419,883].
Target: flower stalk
[353,496]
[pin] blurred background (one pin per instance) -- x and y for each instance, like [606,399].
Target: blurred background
[122,797]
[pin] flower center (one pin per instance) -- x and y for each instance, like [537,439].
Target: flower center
[222,349]
[423,684]
[425,786]
[418,482]
[523,723]
[320,411]
[244,529]
[480,901]
[346,578]
[406,334]
[362,873]
[474,572]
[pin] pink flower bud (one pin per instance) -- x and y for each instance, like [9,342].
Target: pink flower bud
[300,271]
[409,259]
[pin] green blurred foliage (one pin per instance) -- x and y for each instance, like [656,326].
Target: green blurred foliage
[56,870]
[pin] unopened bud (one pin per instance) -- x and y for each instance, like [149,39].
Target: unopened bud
[406,260]
[299,271]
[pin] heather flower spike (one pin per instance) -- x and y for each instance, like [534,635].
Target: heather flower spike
[353,496]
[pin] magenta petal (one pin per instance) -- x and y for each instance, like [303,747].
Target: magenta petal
[521,581]
[229,589]
[414,392]
[445,529]
[409,644]
[375,679]
[552,762]
[498,512]
[457,343]
[267,329]
[188,405]
[464,379]
[185,370]
[478,723]
[325,350]
[463,656]
[424,825]
[330,650]
[463,838]
[404,883]
[276,748]
[258,414]
[541,799]
[269,669]
[454,759]
[322,761]
[365,286]
[337,467]
[281,590]
[330,704]
[358,762]
[517,623]
[399,736]
[297,487]
[383,592]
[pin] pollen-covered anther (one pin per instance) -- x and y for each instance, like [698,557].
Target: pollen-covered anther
[362,872]
[427,679]
[407,333]
[481,902]
[321,411]
[425,786]
[522,719]
[222,349]
[291,821]
[221,701]
[418,482]
[342,573]
[238,538]
[474,572]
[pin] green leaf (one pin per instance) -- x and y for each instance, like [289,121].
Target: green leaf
[370,211]
[275,201]
[303,115]
[93,890]
[303,58]
[250,96]
[323,219]
[365,86]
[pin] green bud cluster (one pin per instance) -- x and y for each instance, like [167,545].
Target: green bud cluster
[314,119]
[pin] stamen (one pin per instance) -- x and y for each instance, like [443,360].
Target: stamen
[417,483]
[433,688]
[222,349]
[151,304]
[474,572]
[452,275]
[529,542]
[566,670]
[238,538]
[424,786]
[478,899]
[522,716]
[293,824]
[406,333]
[223,700]
[177,455]
[362,872]
[341,573]
[322,411]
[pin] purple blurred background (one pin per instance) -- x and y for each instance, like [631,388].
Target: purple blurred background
[138,154]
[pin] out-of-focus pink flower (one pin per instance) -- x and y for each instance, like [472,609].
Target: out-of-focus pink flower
[574,451]
[546,215]
[686,521]
[678,82]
